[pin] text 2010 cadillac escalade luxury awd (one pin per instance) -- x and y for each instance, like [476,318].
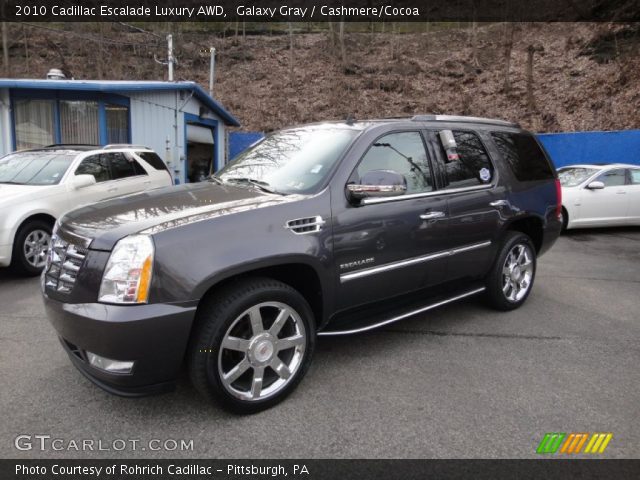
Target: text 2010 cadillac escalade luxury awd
[324,229]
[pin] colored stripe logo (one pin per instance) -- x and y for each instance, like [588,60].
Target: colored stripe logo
[572,443]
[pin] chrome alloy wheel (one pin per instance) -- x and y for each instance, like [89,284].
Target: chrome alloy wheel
[35,248]
[517,272]
[261,351]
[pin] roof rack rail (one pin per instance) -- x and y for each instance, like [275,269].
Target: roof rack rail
[459,118]
[71,146]
[124,145]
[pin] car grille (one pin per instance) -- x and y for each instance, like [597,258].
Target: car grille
[63,264]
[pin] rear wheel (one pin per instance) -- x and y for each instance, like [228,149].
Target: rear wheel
[30,247]
[511,278]
[253,344]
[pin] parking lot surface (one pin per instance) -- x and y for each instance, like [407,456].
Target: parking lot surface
[462,381]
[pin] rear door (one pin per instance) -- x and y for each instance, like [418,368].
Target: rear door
[606,206]
[633,194]
[128,174]
[469,182]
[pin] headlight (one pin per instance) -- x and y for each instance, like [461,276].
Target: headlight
[128,274]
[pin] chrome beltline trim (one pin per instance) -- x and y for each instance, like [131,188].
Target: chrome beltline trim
[404,315]
[411,261]
[372,201]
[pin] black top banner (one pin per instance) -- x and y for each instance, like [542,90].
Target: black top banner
[322,10]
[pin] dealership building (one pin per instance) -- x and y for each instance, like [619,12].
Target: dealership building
[179,120]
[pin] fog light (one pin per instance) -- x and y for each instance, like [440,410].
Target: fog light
[108,365]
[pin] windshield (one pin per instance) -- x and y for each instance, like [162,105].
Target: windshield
[290,161]
[34,168]
[571,177]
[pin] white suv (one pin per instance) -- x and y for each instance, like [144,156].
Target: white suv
[38,186]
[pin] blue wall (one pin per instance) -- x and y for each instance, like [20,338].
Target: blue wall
[238,141]
[592,147]
[564,148]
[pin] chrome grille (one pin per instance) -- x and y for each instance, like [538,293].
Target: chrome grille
[63,264]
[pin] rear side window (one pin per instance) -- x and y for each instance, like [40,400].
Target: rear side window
[468,164]
[123,167]
[524,156]
[153,159]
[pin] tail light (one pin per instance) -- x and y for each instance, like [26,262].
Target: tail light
[558,199]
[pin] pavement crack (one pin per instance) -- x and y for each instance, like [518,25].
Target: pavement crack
[470,334]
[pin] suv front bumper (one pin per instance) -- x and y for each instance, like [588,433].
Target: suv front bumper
[154,336]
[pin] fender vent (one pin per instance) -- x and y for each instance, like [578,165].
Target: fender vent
[301,226]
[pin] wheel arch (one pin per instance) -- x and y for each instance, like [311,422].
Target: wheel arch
[530,225]
[300,273]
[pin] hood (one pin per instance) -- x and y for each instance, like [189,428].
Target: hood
[156,210]
[12,194]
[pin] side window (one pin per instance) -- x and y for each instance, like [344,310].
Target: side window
[404,153]
[123,167]
[613,178]
[469,165]
[635,176]
[153,159]
[96,166]
[524,156]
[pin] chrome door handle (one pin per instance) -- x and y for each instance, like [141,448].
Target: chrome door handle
[499,203]
[431,215]
[621,193]
[112,189]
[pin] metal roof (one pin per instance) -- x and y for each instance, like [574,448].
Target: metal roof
[114,86]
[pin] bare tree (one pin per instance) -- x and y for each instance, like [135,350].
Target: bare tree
[343,51]
[5,40]
[508,48]
[531,50]
[290,52]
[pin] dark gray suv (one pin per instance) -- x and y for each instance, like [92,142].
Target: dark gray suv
[323,229]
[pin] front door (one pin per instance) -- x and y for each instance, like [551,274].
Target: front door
[606,206]
[387,246]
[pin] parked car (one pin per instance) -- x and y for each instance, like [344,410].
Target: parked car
[323,229]
[600,195]
[37,186]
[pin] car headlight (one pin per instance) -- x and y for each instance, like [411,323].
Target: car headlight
[128,274]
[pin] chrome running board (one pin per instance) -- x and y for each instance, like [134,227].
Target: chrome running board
[403,316]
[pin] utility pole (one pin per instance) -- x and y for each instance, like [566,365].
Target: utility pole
[170,59]
[212,69]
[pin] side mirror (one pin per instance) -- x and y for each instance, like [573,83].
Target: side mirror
[378,183]
[82,181]
[595,185]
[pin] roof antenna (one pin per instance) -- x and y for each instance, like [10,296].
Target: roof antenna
[350,120]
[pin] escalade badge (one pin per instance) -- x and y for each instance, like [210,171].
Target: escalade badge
[357,263]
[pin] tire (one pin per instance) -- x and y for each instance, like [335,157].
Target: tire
[565,219]
[508,287]
[30,247]
[238,356]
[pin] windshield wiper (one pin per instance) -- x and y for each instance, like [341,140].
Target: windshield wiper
[264,186]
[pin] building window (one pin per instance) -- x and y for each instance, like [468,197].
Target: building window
[117,123]
[79,122]
[34,123]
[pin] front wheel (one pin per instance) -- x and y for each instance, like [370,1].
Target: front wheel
[30,247]
[253,344]
[511,278]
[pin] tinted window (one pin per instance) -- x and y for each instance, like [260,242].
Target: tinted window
[122,166]
[469,165]
[613,178]
[403,153]
[635,176]
[95,165]
[524,156]
[153,159]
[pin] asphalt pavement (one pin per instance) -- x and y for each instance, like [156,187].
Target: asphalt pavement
[462,381]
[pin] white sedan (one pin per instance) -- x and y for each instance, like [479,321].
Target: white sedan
[38,186]
[600,195]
